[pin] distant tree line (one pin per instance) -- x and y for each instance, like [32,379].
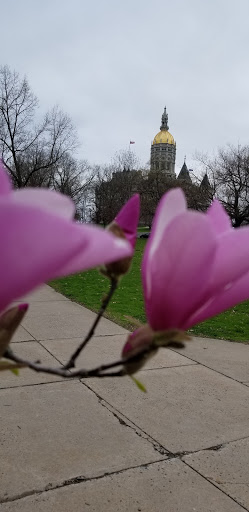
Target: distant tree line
[38,152]
[229,175]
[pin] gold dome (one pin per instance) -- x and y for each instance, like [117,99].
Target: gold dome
[163,137]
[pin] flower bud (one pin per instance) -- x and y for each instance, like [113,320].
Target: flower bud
[118,268]
[144,343]
[136,344]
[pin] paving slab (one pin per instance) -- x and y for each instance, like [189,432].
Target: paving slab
[227,357]
[185,409]
[104,349]
[33,351]
[64,319]
[42,294]
[54,432]
[21,335]
[161,487]
[227,468]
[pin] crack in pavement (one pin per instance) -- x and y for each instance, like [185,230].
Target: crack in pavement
[77,480]
[126,422]
[208,367]
[216,485]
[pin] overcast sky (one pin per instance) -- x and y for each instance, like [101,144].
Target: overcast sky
[113,66]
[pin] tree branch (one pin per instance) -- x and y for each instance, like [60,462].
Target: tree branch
[99,371]
[105,302]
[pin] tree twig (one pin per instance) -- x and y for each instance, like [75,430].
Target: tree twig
[99,371]
[105,302]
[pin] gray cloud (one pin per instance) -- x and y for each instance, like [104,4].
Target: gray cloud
[114,66]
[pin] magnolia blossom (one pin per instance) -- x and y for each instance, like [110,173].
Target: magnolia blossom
[124,226]
[195,266]
[40,241]
[128,217]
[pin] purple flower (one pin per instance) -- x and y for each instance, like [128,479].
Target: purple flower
[40,241]
[128,217]
[195,265]
[124,226]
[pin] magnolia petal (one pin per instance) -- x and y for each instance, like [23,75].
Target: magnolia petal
[102,247]
[5,183]
[37,246]
[231,260]
[172,204]
[128,218]
[220,219]
[180,271]
[46,199]
[228,297]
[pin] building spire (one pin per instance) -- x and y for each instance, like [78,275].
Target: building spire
[164,125]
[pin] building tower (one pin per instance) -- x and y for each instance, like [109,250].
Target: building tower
[184,174]
[163,150]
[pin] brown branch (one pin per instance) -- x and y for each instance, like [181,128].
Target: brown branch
[99,371]
[105,302]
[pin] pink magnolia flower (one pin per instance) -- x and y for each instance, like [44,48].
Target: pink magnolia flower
[195,266]
[128,218]
[40,241]
[124,226]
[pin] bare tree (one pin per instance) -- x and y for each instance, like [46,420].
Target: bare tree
[125,160]
[229,172]
[30,151]
[74,179]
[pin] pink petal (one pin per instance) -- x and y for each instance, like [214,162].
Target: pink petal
[46,199]
[5,183]
[219,217]
[231,259]
[128,218]
[173,203]
[228,297]
[179,271]
[37,246]
[102,247]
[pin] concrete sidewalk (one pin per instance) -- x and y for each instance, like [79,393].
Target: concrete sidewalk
[100,445]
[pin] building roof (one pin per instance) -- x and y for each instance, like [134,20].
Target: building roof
[163,137]
[205,182]
[184,174]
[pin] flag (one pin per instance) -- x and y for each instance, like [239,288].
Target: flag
[132,142]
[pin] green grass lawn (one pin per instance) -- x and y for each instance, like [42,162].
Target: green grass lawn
[143,229]
[126,306]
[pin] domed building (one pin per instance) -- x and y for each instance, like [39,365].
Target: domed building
[163,150]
